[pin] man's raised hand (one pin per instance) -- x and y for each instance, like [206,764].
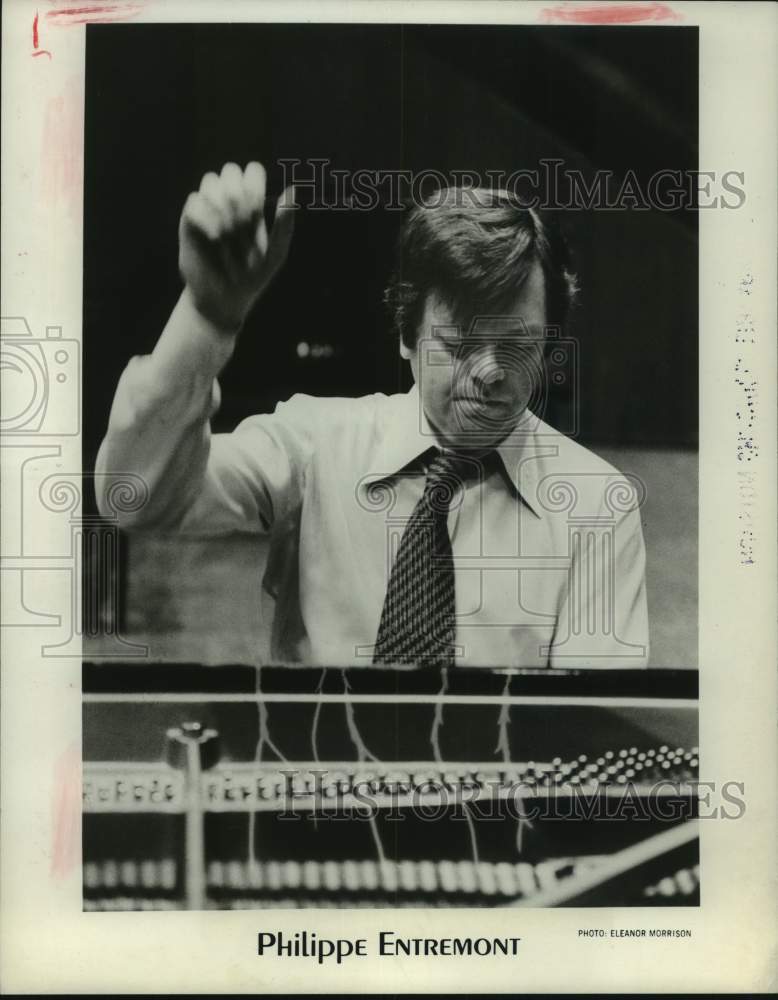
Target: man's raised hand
[225,255]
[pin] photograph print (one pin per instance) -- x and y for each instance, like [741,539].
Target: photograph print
[390,405]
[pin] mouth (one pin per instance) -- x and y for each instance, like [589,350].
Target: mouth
[479,401]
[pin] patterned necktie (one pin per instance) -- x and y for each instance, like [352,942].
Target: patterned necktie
[418,619]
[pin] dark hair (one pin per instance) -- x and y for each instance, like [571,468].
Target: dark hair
[475,248]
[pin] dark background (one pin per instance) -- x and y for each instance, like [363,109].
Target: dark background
[167,103]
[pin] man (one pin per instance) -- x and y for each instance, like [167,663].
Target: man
[445,526]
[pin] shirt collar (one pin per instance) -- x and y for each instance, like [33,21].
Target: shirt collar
[406,434]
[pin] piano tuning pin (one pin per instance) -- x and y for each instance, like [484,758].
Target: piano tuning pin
[487,881]
[254,875]
[148,875]
[235,875]
[331,876]
[448,876]
[407,876]
[525,878]
[350,876]
[427,876]
[92,878]
[545,873]
[110,874]
[507,883]
[311,876]
[467,877]
[273,876]
[685,882]
[369,873]
[388,872]
[167,873]
[215,875]
[128,874]
[292,874]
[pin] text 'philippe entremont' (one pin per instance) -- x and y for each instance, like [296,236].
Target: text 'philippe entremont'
[307,944]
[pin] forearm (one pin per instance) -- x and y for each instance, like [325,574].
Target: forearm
[158,436]
[191,350]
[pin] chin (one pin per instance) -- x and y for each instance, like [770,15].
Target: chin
[485,429]
[475,436]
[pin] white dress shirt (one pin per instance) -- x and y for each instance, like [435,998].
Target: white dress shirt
[548,547]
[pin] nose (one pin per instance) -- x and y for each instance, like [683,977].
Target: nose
[488,369]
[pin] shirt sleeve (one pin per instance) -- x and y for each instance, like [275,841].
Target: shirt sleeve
[159,449]
[603,621]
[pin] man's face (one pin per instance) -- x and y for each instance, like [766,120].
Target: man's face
[475,383]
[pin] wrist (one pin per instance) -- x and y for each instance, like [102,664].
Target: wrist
[222,322]
[192,345]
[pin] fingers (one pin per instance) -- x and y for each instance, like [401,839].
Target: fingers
[228,209]
[226,197]
[236,197]
[283,227]
[254,184]
[233,194]
[201,216]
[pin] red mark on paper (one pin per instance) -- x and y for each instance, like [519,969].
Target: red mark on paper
[62,165]
[93,13]
[36,40]
[609,13]
[66,813]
